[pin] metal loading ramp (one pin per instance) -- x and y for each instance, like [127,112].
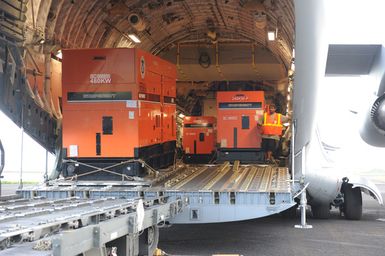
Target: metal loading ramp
[213,193]
[221,193]
[240,178]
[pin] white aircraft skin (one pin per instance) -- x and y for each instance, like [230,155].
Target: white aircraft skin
[314,33]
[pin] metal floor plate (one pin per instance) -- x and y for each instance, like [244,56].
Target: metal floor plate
[226,177]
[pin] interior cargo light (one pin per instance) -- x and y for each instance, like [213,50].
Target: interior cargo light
[134,38]
[271,35]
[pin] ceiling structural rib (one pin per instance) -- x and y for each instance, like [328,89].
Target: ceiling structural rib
[82,29]
[42,14]
[91,23]
[94,22]
[163,24]
[52,18]
[61,23]
[73,22]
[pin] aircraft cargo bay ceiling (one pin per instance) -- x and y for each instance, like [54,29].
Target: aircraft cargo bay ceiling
[190,31]
[212,42]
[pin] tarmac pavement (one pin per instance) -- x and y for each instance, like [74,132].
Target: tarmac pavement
[276,235]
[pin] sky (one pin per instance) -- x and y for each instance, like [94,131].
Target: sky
[355,21]
[33,158]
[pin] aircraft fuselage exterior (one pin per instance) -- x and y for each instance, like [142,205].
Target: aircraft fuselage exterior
[314,38]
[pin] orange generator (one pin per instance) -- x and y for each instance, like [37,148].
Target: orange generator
[199,138]
[238,134]
[118,107]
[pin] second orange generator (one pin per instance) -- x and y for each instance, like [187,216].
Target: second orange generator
[238,134]
[199,135]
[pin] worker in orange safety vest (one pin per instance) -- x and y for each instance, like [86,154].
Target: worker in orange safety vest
[271,131]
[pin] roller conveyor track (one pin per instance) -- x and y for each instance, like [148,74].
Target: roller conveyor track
[34,218]
[75,225]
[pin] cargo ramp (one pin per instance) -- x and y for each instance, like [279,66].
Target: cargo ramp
[70,217]
[215,193]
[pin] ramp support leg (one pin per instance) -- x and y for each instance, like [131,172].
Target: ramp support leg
[303,205]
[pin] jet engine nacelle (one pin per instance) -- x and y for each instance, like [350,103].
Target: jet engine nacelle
[373,129]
